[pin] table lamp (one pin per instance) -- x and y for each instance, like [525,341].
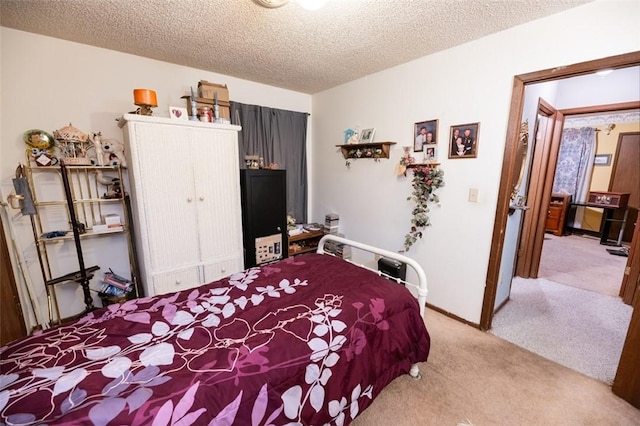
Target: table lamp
[145,99]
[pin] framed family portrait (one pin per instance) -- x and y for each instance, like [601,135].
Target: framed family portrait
[367,135]
[425,135]
[463,140]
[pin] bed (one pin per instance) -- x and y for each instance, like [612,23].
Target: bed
[311,339]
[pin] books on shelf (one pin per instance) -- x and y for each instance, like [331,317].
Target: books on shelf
[331,221]
[115,285]
[338,249]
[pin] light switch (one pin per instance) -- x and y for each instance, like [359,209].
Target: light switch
[473,195]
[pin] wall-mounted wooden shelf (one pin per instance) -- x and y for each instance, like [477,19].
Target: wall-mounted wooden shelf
[374,150]
[414,165]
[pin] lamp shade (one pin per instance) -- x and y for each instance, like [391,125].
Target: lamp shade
[145,97]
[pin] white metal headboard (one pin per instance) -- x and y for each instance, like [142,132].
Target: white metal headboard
[421,287]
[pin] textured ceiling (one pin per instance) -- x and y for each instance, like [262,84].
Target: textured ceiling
[286,47]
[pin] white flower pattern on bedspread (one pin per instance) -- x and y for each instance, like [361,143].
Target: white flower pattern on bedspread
[212,355]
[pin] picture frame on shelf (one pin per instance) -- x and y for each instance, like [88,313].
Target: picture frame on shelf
[178,113]
[463,140]
[425,133]
[366,136]
[430,153]
[602,160]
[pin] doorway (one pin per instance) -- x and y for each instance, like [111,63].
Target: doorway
[509,173]
[568,309]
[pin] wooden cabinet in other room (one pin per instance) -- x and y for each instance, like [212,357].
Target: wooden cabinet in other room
[557,213]
[186,201]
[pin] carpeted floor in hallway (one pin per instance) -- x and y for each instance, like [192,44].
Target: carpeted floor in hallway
[572,313]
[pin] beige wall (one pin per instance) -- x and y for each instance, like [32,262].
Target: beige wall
[601,175]
[47,83]
[466,84]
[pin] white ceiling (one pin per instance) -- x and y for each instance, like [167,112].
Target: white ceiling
[287,47]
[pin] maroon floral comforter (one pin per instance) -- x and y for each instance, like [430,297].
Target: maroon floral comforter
[309,340]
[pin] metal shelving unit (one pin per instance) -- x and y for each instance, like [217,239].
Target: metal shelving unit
[79,214]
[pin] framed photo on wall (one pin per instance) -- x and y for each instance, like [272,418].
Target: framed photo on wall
[463,140]
[425,135]
[602,160]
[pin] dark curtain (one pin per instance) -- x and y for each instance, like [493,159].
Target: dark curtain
[278,136]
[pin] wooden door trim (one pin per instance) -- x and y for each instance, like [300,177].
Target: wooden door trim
[622,106]
[502,208]
[537,197]
[631,277]
[513,127]
[551,153]
[627,380]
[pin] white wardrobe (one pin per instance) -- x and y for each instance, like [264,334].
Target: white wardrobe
[185,194]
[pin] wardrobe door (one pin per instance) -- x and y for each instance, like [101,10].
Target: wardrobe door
[215,167]
[166,198]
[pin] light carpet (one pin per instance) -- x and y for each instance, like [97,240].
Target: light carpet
[476,378]
[581,261]
[579,329]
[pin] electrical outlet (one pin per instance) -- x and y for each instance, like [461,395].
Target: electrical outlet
[473,195]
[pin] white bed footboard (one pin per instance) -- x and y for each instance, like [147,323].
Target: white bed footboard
[421,287]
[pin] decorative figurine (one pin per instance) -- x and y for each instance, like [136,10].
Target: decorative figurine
[194,107]
[216,108]
[73,145]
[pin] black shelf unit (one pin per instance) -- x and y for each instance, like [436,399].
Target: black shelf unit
[264,215]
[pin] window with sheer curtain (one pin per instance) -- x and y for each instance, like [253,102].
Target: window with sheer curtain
[278,136]
[574,166]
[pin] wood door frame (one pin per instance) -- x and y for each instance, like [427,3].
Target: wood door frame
[629,288]
[545,152]
[509,160]
[626,384]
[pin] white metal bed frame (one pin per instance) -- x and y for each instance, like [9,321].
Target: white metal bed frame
[421,287]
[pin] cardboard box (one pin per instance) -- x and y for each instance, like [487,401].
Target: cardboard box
[208,91]
[223,106]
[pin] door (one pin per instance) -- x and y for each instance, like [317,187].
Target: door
[625,177]
[167,198]
[12,324]
[545,155]
[217,190]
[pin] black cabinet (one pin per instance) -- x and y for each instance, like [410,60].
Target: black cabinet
[264,215]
